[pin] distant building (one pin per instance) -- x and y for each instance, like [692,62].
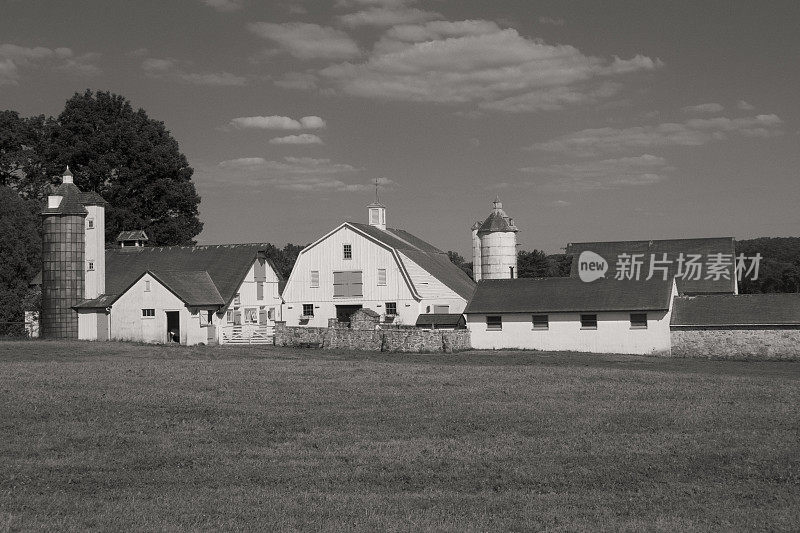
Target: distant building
[369,266]
[494,245]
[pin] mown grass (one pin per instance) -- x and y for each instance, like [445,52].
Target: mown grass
[102,436]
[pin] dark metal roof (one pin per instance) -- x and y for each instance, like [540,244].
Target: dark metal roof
[431,259]
[737,310]
[672,247]
[498,221]
[101,302]
[132,235]
[562,295]
[193,287]
[71,201]
[440,320]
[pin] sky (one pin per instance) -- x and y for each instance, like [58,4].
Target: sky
[591,120]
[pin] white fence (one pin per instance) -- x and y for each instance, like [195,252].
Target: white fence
[247,334]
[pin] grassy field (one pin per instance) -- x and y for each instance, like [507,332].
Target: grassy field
[127,437]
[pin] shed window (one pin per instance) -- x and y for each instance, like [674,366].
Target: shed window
[347,251]
[588,321]
[540,322]
[314,279]
[148,313]
[494,322]
[381,276]
[639,320]
[308,309]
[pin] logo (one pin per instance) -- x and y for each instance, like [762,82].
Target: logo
[591,266]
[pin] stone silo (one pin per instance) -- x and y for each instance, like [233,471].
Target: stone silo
[498,239]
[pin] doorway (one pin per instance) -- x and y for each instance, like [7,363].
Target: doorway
[174,326]
[344,312]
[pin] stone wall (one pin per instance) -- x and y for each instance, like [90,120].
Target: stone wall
[739,343]
[389,340]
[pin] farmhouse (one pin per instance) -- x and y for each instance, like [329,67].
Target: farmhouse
[605,316]
[390,271]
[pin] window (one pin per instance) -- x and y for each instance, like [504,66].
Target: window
[391,308]
[381,276]
[314,279]
[639,320]
[90,266]
[374,216]
[229,316]
[494,323]
[588,321]
[250,315]
[259,290]
[540,322]
[348,251]
[237,300]
[147,286]
[308,309]
[89,223]
[148,313]
[441,309]
[260,270]
[347,284]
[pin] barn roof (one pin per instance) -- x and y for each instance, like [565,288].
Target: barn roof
[193,287]
[737,310]
[563,295]
[704,247]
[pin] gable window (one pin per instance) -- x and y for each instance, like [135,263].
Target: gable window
[308,309]
[381,276]
[89,223]
[638,320]
[148,313]
[237,300]
[347,284]
[147,285]
[588,321]
[90,266]
[391,308]
[540,322]
[259,290]
[347,251]
[315,279]
[494,323]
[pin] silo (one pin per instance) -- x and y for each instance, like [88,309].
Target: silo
[498,238]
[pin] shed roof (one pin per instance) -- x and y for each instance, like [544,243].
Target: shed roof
[132,235]
[440,320]
[704,247]
[563,295]
[737,310]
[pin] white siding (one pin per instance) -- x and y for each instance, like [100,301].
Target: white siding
[248,295]
[95,280]
[432,290]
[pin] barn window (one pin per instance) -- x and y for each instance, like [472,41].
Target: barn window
[441,309]
[391,308]
[237,300]
[314,279]
[148,313]
[250,315]
[347,284]
[147,286]
[540,322]
[347,251]
[89,223]
[588,321]
[259,290]
[308,309]
[494,323]
[639,320]
[229,316]
[381,276]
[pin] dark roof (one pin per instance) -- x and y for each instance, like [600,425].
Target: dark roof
[427,256]
[71,201]
[736,310]
[496,222]
[672,247]
[193,287]
[100,302]
[562,295]
[440,319]
[132,235]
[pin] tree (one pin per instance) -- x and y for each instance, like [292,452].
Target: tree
[25,165]
[459,261]
[20,248]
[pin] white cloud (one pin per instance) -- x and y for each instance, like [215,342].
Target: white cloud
[303,174]
[308,41]
[224,5]
[276,122]
[172,69]
[704,108]
[303,81]
[303,138]
[387,16]
[744,106]
[604,174]
[694,132]
[14,59]
[475,61]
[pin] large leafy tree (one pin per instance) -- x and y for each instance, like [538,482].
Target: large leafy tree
[25,150]
[20,248]
[133,162]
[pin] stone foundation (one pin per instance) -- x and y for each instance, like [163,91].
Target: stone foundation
[388,340]
[737,343]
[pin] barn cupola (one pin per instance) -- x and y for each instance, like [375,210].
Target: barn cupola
[377,211]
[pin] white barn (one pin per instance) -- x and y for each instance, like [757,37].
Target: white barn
[390,271]
[567,314]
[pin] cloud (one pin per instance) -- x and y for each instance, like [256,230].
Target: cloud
[303,174]
[224,5]
[14,59]
[276,122]
[387,16]
[604,174]
[172,69]
[303,138]
[303,81]
[744,106]
[703,108]
[552,21]
[307,41]
[476,61]
[694,132]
